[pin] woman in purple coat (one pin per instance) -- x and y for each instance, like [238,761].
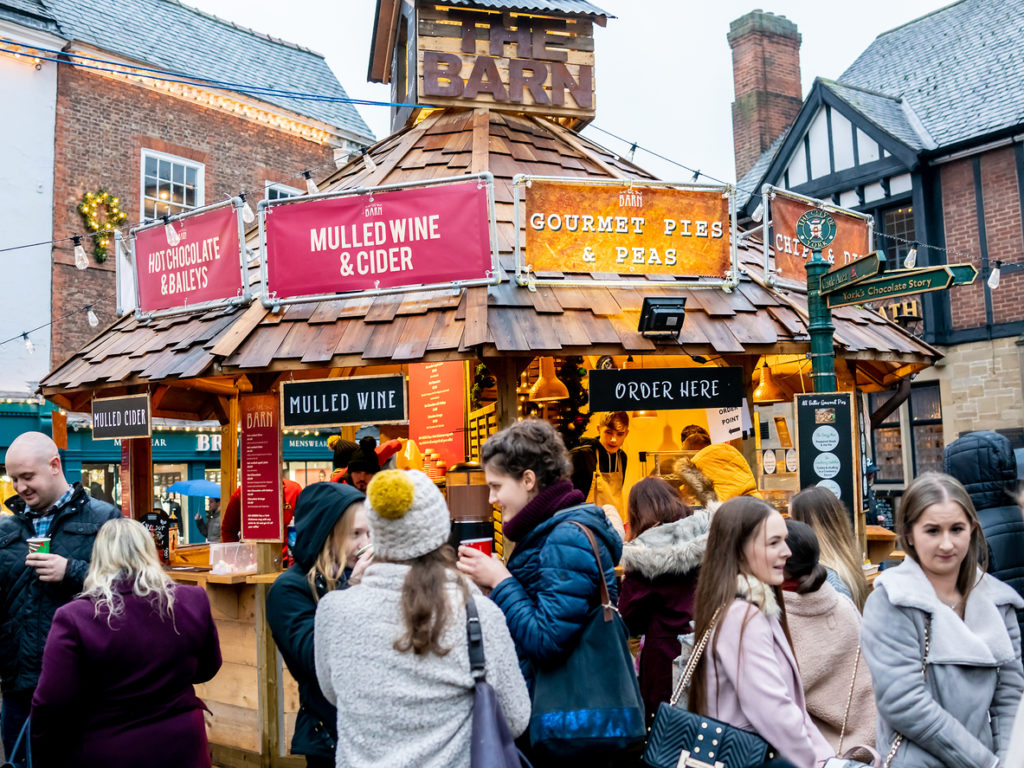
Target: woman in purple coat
[120,662]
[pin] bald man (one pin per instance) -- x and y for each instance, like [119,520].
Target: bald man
[33,586]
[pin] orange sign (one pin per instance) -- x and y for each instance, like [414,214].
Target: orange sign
[851,241]
[627,230]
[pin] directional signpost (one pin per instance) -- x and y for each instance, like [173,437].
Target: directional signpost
[854,272]
[901,282]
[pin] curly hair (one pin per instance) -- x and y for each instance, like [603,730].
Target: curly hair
[530,444]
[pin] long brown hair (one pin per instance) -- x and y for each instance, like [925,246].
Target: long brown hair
[732,526]
[653,501]
[425,604]
[820,509]
[934,488]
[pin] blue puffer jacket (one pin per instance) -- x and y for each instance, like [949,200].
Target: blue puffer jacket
[554,584]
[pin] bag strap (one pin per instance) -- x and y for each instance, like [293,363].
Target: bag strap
[924,665]
[606,600]
[23,734]
[695,654]
[475,641]
[849,701]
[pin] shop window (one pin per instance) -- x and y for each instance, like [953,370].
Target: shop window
[926,428]
[170,184]
[887,443]
[897,222]
[281,191]
[306,472]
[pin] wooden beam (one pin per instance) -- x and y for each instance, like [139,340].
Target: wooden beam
[229,452]
[506,371]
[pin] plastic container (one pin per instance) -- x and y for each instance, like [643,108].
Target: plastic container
[232,557]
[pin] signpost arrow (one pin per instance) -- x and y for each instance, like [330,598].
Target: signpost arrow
[898,283]
[963,274]
[854,272]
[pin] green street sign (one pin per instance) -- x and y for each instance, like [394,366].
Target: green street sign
[898,283]
[848,274]
[963,274]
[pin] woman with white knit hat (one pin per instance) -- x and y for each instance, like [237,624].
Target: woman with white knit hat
[391,652]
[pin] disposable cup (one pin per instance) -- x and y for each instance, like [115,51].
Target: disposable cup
[39,544]
[484,545]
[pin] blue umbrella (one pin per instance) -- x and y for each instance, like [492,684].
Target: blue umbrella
[195,488]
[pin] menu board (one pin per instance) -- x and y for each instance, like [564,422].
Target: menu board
[824,425]
[262,519]
[437,418]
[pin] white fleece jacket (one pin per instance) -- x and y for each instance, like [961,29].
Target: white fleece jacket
[401,710]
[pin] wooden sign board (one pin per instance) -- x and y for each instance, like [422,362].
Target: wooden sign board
[538,64]
[339,402]
[826,446]
[121,417]
[262,514]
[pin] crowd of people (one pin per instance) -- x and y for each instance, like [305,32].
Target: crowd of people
[379,617]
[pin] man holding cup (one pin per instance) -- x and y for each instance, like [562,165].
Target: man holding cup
[45,548]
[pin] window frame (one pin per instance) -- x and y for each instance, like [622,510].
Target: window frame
[279,187]
[913,422]
[175,159]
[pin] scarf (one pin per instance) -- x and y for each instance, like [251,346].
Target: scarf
[755,591]
[556,497]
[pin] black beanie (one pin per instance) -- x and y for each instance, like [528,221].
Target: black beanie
[365,457]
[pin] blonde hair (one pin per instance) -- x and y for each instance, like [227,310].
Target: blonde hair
[821,510]
[333,556]
[124,551]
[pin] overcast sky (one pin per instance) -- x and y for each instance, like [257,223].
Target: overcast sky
[663,67]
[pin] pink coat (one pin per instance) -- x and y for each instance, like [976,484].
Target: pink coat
[755,684]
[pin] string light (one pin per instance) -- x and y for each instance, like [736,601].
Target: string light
[29,346]
[311,187]
[369,162]
[91,317]
[911,260]
[171,233]
[993,278]
[81,260]
[247,215]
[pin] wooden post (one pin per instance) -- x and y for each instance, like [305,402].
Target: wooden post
[268,678]
[229,453]
[506,371]
[140,474]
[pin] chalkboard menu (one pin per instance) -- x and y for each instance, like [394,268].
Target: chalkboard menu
[824,424]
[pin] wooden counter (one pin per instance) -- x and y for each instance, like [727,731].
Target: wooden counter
[881,542]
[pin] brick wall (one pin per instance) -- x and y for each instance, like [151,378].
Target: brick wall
[1002,217]
[102,126]
[766,83]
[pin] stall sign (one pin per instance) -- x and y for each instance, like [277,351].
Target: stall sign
[338,402]
[437,419]
[631,230]
[416,236]
[204,266]
[117,417]
[262,516]
[852,237]
[824,427]
[666,389]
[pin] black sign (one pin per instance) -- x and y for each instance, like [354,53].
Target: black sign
[120,417]
[336,402]
[666,389]
[824,424]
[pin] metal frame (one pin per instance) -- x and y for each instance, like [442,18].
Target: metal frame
[524,275]
[767,193]
[231,301]
[274,303]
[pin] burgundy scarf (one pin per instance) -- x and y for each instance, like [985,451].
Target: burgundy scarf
[541,507]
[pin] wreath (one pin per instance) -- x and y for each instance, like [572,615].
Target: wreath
[100,211]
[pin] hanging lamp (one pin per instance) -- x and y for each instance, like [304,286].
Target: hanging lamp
[767,390]
[548,387]
[644,415]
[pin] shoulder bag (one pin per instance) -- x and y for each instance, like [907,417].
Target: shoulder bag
[590,704]
[845,759]
[681,739]
[492,745]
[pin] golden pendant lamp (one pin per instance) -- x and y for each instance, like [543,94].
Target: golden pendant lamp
[767,391]
[548,387]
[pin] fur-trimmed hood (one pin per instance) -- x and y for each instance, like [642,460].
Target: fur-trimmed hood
[672,548]
[756,592]
[716,473]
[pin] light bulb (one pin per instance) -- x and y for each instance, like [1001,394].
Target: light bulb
[172,234]
[247,215]
[758,213]
[368,162]
[311,187]
[29,346]
[81,260]
[93,320]
[993,278]
[911,259]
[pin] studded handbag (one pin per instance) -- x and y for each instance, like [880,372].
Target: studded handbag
[681,739]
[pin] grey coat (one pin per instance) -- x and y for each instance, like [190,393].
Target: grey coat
[959,713]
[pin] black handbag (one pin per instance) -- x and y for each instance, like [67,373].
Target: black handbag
[681,739]
[492,745]
[590,704]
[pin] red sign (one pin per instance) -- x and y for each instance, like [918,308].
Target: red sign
[437,412]
[851,241]
[204,265]
[262,519]
[126,478]
[411,236]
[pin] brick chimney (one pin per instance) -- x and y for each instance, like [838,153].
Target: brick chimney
[766,77]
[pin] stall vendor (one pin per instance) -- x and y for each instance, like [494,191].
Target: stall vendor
[599,464]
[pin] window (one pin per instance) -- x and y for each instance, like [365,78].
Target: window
[896,222]
[170,184]
[281,191]
[887,442]
[926,428]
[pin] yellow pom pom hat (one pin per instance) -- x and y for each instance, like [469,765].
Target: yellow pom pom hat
[407,513]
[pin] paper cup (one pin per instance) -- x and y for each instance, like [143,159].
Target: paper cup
[39,544]
[484,545]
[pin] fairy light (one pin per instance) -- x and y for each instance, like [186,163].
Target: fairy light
[29,346]
[247,215]
[81,260]
[91,317]
[311,187]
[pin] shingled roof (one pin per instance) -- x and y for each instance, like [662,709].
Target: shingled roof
[29,13]
[172,36]
[568,7]
[488,321]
